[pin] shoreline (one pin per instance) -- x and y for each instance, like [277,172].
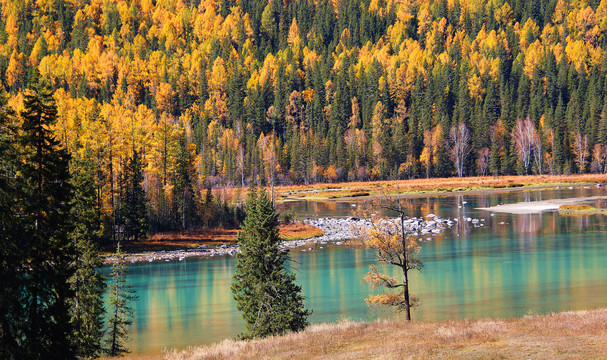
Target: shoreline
[336,231]
[414,188]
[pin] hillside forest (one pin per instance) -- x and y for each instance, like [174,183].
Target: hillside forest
[163,100]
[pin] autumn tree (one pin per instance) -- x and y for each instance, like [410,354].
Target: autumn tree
[431,144]
[497,134]
[599,154]
[394,245]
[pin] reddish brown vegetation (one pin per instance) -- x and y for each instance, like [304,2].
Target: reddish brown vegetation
[210,237]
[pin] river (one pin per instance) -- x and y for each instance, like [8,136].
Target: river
[506,265]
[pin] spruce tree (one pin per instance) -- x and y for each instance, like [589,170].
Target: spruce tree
[133,211]
[46,262]
[88,283]
[184,194]
[12,313]
[119,306]
[265,292]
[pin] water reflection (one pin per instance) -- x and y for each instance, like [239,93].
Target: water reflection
[506,265]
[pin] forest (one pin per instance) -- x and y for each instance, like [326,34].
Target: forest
[161,101]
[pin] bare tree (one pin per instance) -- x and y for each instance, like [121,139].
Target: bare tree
[580,150]
[484,155]
[524,135]
[459,146]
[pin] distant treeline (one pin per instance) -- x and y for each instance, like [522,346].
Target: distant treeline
[224,93]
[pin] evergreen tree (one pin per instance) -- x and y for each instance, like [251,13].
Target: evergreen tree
[12,313]
[47,253]
[184,191]
[133,211]
[119,306]
[88,283]
[265,292]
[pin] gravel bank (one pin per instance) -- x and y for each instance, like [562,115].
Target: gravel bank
[336,231]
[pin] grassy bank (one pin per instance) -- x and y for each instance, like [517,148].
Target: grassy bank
[413,187]
[567,335]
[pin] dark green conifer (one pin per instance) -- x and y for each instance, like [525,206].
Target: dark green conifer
[133,213]
[47,252]
[119,307]
[88,283]
[265,292]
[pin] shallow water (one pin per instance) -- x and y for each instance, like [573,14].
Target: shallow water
[511,266]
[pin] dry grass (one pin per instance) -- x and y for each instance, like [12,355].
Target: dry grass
[567,335]
[425,186]
[210,237]
[298,231]
[579,209]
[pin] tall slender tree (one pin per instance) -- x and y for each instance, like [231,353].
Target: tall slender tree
[47,252]
[87,282]
[12,313]
[133,210]
[119,307]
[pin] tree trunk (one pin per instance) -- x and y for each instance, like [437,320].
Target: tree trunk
[405,267]
[406,293]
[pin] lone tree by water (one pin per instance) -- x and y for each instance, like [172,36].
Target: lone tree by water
[265,292]
[394,246]
[120,310]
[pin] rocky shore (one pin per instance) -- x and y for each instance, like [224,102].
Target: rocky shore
[336,231]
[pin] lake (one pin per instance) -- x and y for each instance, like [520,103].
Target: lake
[512,265]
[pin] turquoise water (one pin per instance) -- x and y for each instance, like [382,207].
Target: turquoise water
[512,266]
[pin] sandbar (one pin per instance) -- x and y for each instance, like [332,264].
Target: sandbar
[536,207]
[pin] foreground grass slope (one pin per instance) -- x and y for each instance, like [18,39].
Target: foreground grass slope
[567,335]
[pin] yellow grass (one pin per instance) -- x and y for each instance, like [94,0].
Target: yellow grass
[567,335]
[298,231]
[578,209]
